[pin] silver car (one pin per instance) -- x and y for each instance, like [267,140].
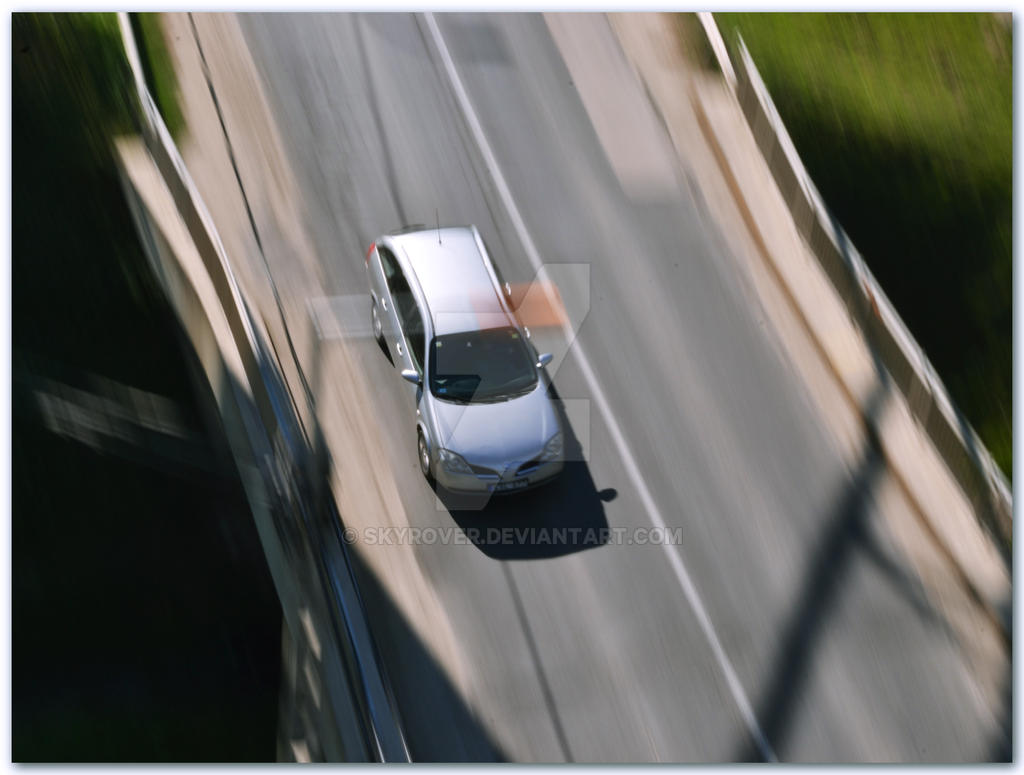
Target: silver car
[484,420]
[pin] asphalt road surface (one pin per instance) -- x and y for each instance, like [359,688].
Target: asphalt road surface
[782,623]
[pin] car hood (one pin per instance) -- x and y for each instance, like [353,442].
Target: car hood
[494,435]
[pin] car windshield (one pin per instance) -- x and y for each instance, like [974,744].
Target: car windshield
[481,366]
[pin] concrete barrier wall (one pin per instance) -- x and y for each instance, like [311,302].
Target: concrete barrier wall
[360,723]
[891,342]
[172,255]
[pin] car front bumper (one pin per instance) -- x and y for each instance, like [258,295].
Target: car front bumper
[507,484]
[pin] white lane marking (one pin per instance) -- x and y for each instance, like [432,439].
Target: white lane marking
[632,468]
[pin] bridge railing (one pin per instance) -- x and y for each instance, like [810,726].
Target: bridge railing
[956,442]
[281,445]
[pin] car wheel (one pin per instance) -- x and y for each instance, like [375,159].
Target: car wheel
[378,332]
[423,453]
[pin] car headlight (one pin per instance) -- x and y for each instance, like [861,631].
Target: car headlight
[553,449]
[453,462]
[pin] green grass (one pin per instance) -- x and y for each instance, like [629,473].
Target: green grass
[905,124]
[159,71]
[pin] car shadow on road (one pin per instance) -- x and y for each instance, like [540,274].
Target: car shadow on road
[555,519]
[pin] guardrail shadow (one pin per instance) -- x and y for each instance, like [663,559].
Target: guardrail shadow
[845,536]
[844,530]
[436,722]
[439,726]
[555,519]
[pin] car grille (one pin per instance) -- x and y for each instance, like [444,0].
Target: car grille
[527,467]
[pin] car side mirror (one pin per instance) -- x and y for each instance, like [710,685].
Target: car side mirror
[543,360]
[411,375]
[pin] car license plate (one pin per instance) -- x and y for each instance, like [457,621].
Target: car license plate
[518,484]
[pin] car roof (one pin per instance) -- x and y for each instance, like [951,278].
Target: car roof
[453,276]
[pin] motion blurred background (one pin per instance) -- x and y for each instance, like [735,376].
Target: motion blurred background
[145,625]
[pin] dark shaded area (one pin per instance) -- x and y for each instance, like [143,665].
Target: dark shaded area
[438,725]
[145,626]
[81,291]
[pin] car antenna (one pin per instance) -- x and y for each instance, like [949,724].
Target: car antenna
[437,218]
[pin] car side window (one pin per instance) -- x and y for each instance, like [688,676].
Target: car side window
[409,317]
[388,264]
[411,320]
[405,305]
[399,288]
[416,337]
